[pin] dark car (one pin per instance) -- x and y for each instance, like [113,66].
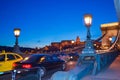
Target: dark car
[44,61]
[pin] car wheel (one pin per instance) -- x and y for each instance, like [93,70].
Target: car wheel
[63,66]
[42,72]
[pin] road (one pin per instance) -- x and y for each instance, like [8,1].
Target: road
[29,76]
[69,65]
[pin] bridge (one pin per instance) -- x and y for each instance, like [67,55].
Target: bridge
[95,64]
[98,64]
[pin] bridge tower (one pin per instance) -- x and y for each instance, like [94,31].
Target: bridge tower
[110,30]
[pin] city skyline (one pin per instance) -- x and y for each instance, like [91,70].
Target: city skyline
[45,21]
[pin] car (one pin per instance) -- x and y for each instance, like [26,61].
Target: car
[73,56]
[62,56]
[44,62]
[7,60]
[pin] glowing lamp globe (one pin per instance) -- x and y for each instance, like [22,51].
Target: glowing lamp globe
[88,20]
[17,32]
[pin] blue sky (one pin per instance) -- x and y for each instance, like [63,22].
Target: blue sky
[45,21]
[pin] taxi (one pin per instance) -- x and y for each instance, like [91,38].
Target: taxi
[7,60]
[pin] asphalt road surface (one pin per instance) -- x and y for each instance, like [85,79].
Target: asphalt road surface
[29,76]
[69,66]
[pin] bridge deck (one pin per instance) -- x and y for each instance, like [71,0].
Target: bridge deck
[111,73]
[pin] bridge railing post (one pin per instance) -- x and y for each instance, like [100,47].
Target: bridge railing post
[98,62]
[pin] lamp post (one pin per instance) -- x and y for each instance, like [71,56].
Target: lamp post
[16,46]
[17,34]
[89,44]
[88,53]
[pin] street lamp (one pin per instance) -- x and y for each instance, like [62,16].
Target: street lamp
[17,34]
[89,44]
[88,22]
[16,46]
[88,53]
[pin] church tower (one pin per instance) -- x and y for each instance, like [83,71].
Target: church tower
[77,40]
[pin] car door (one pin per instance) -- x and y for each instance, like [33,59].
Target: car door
[10,60]
[56,62]
[2,63]
[48,63]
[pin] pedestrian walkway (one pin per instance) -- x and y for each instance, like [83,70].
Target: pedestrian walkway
[110,73]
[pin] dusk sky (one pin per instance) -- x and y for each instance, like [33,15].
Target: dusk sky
[45,21]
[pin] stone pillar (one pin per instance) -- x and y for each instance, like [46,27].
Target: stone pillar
[105,42]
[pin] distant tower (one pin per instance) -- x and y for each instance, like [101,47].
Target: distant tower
[117,6]
[77,40]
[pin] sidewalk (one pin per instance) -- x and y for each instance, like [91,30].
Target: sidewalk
[111,73]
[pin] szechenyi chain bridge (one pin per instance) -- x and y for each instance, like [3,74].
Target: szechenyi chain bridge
[93,64]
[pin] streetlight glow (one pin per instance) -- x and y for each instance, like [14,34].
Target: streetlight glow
[88,20]
[110,39]
[17,32]
[72,42]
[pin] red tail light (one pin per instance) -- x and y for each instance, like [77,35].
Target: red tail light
[14,65]
[26,65]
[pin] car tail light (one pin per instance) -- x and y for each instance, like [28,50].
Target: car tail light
[14,65]
[26,65]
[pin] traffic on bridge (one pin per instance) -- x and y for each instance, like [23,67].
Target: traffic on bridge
[68,60]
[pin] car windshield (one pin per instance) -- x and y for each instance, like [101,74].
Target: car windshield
[32,58]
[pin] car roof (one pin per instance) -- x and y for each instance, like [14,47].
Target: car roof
[9,53]
[40,54]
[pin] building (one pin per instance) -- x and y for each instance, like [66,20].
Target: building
[77,40]
[55,44]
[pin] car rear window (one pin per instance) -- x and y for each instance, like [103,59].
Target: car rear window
[18,57]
